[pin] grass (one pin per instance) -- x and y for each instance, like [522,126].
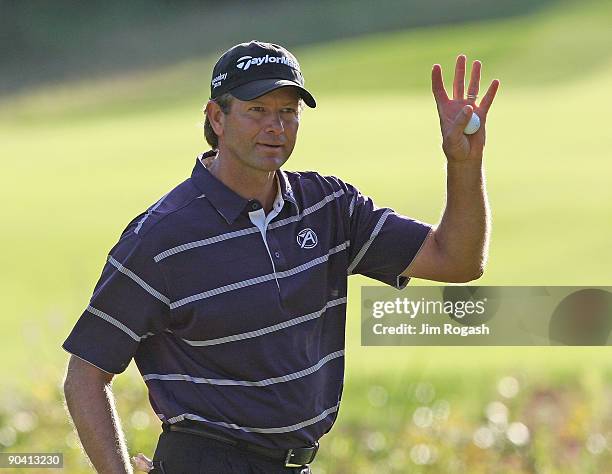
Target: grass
[81,161]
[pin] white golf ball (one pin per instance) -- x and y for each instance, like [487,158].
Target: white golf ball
[473,125]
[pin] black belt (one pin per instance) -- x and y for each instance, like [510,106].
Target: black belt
[291,457]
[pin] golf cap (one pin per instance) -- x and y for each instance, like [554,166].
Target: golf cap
[250,70]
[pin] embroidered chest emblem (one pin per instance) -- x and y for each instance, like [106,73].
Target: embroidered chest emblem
[307,238]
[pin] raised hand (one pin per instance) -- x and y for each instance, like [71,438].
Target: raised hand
[455,113]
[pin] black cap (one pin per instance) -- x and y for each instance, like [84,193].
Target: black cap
[249,70]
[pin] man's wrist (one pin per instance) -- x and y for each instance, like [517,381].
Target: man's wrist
[464,165]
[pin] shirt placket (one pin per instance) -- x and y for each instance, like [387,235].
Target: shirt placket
[261,221]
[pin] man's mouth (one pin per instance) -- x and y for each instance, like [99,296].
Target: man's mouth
[272,147]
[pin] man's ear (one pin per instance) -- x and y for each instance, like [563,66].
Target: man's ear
[216,117]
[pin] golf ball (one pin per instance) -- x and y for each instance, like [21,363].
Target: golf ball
[473,125]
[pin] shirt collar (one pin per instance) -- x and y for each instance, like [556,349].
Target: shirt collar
[286,190]
[224,200]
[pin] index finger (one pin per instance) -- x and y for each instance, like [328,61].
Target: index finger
[437,84]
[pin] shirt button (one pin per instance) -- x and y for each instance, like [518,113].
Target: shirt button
[254,206]
[277,254]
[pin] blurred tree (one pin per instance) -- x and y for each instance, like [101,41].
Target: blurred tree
[53,41]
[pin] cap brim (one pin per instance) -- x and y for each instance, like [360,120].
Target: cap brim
[255,89]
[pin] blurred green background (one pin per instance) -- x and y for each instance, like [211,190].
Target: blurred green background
[100,115]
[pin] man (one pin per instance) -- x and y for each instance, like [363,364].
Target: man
[230,291]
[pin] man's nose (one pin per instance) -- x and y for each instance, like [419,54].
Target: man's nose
[275,124]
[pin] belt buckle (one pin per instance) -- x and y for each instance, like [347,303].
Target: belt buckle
[288,457]
[290,454]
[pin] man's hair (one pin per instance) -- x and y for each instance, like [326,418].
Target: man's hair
[224,101]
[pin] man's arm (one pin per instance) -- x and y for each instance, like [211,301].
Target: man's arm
[456,250]
[91,405]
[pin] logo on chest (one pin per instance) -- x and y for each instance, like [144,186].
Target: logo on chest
[307,238]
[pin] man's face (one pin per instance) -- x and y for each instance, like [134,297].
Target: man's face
[261,133]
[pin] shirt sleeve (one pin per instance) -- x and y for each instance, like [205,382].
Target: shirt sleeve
[129,304]
[382,242]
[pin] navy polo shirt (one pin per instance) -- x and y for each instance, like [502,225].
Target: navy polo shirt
[236,321]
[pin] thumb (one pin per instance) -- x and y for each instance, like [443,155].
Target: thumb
[461,120]
[463,117]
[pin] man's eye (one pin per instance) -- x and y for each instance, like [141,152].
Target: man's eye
[257,109]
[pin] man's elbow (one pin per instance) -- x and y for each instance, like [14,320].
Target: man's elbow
[73,385]
[461,273]
[469,274]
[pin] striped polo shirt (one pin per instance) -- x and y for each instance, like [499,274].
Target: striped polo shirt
[236,319]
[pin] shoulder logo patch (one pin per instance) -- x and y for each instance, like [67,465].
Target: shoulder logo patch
[307,238]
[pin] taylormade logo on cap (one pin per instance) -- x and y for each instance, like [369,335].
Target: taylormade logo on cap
[246,62]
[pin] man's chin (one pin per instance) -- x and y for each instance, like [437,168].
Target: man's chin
[270,161]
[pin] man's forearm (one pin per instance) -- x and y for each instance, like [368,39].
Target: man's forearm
[92,408]
[463,233]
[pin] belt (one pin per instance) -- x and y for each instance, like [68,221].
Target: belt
[291,457]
